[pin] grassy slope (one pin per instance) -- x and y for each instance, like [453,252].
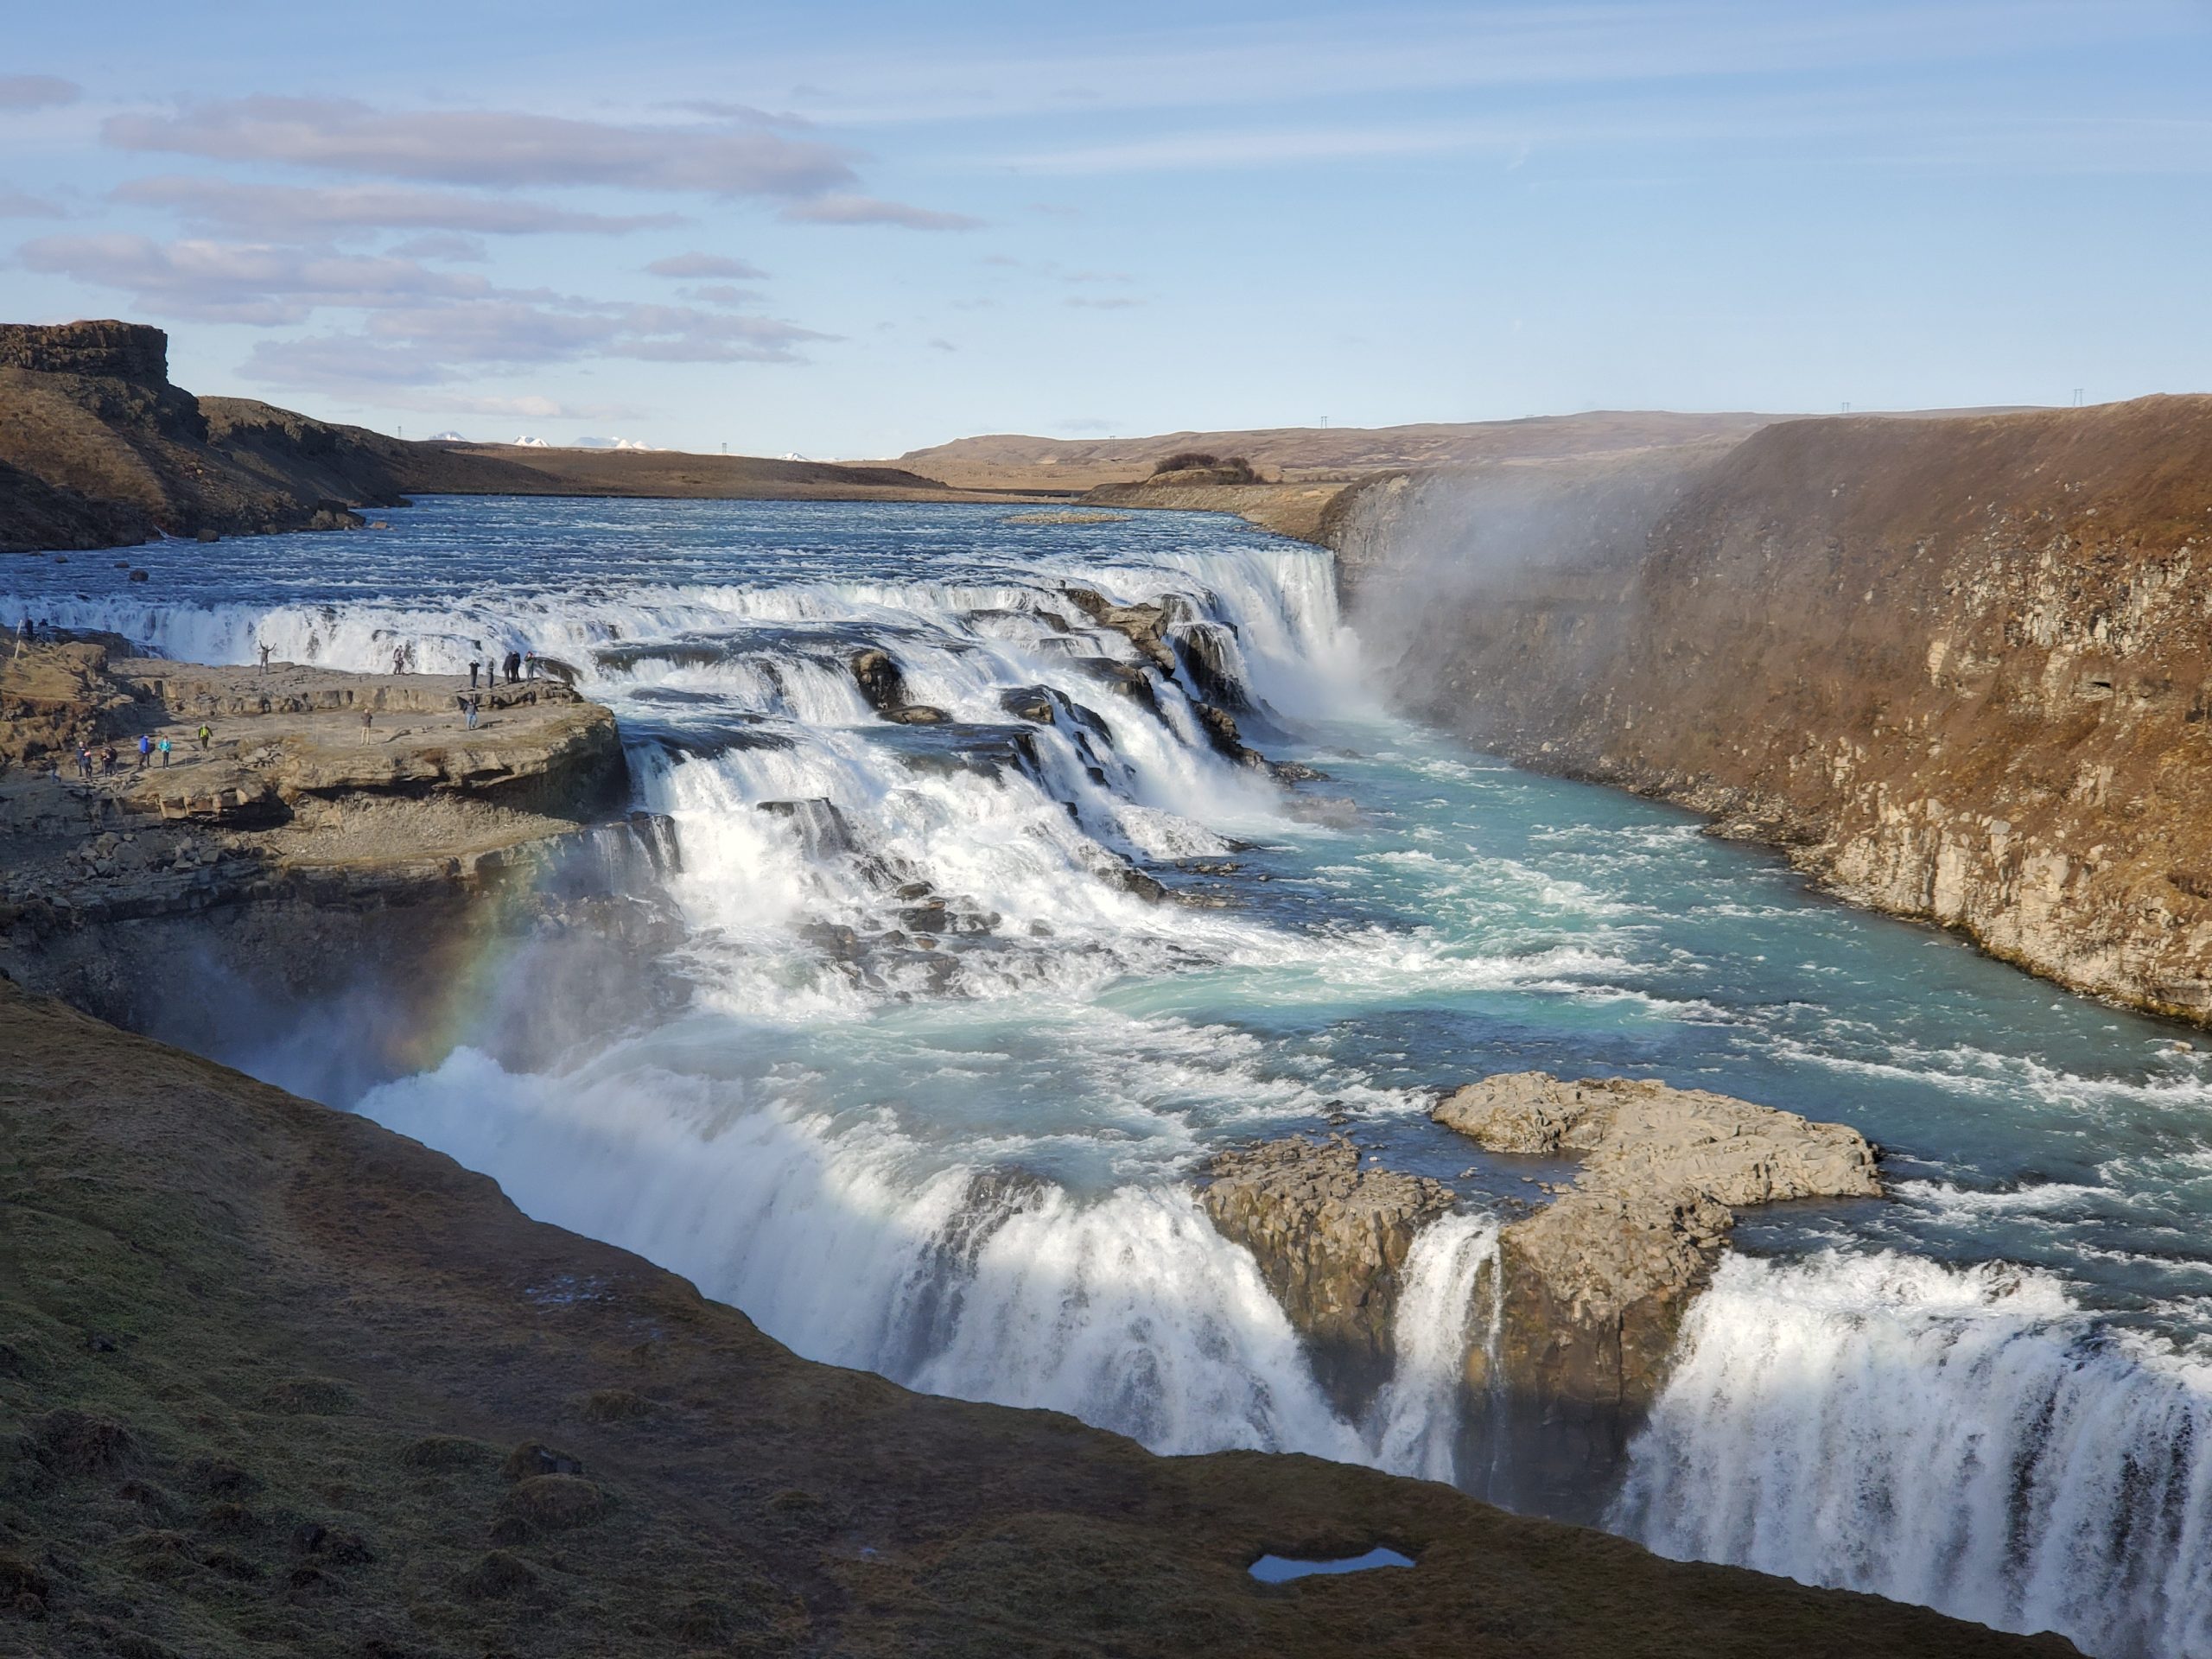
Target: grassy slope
[262,1367]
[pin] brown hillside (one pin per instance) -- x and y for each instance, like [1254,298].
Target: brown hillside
[1297,453]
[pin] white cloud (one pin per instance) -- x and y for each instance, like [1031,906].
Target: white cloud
[16,204]
[499,148]
[245,283]
[289,211]
[37,92]
[839,208]
[706,264]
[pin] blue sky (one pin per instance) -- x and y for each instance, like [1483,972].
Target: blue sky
[848,230]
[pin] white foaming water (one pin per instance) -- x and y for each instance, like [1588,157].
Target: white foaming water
[1962,1438]
[1441,1320]
[843,1236]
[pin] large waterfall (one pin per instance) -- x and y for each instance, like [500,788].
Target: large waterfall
[975,996]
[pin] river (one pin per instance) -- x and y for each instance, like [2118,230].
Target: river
[948,1069]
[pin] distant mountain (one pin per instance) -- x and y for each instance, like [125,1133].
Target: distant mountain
[448,436]
[614,444]
[526,443]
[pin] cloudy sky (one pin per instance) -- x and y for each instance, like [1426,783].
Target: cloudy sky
[850,229]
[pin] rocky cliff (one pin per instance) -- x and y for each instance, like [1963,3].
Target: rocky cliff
[275,1381]
[335,836]
[97,448]
[1959,667]
[1332,1240]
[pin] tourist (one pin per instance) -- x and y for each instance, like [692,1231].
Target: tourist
[207,736]
[163,746]
[399,660]
[367,721]
[472,705]
[473,666]
[84,762]
[514,667]
[265,650]
[107,760]
[145,749]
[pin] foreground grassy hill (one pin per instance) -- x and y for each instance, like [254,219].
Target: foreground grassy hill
[274,1380]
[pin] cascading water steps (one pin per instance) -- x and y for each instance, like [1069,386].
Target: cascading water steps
[974,998]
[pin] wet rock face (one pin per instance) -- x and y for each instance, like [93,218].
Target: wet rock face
[881,682]
[1593,1285]
[1330,1239]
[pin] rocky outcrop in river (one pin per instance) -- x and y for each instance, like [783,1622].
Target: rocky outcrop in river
[1576,1318]
[1592,1285]
[1330,1239]
[1956,667]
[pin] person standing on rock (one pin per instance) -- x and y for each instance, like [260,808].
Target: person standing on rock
[163,746]
[399,660]
[146,748]
[85,761]
[107,760]
[265,650]
[473,666]
[473,705]
[368,720]
[514,667]
[207,736]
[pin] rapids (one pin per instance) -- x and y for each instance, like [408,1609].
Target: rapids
[949,1065]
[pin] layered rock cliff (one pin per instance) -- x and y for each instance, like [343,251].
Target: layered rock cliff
[1960,667]
[333,837]
[98,448]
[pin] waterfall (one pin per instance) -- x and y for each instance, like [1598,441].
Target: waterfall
[1960,1437]
[1441,1318]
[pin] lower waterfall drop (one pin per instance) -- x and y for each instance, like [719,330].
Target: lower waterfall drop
[1441,1318]
[1959,1437]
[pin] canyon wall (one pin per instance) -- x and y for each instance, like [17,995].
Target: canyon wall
[1960,668]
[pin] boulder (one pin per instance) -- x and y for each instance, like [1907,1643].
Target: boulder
[881,682]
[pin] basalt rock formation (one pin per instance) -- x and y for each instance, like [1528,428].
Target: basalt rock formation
[1956,667]
[1330,1239]
[336,835]
[275,1379]
[97,448]
[1594,1285]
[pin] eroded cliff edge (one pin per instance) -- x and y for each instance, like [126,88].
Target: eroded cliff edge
[1960,668]
[346,845]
